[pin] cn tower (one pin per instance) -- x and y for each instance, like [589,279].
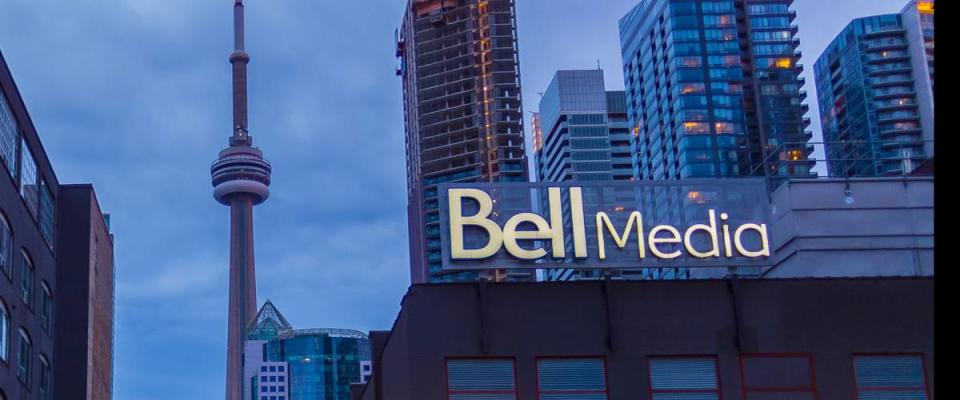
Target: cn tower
[241,180]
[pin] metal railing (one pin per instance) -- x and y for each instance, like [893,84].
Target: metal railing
[842,159]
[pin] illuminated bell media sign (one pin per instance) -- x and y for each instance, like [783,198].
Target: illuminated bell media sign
[690,223]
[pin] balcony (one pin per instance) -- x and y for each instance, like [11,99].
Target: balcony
[887,57]
[899,131]
[895,105]
[881,94]
[883,82]
[886,45]
[899,117]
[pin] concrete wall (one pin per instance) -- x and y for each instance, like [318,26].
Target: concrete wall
[861,227]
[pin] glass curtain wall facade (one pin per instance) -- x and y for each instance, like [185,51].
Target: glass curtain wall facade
[322,363]
[582,134]
[585,130]
[306,364]
[713,89]
[875,90]
[459,63]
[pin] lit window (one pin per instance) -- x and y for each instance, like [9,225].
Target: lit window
[688,88]
[791,155]
[925,7]
[696,127]
[783,63]
[695,197]
[724,127]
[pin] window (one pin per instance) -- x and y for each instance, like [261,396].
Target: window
[717,6]
[768,376]
[4,330]
[487,378]
[8,136]
[696,128]
[689,61]
[28,179]
[718,20]
[572,378]
[6,247]
[674,377]
[45,386]
[770,22]
[24,355]
[686,35]
[46,308]
[890,376]
[27,273]
[768,9]
[720,34]
[47,213]
[692,88]
[772,36]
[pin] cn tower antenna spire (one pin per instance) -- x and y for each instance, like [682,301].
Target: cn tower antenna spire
[239,59]
[241,180]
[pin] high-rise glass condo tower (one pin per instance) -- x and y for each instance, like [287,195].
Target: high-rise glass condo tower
[713,89]
[462,112]
[875,89]
[241,180]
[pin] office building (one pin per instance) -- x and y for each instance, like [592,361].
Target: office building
[263,379]
[581,134]
[283,363]
[866,338]
[875,90]
[713,89]
[45,293]
[463,116]
[241,180]
[583,131]
[83,346]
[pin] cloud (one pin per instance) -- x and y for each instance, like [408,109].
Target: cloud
[134,96]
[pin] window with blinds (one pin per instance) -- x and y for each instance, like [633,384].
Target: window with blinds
[900,377]
[777,376]
[684,378]
[572,379]
[481,379]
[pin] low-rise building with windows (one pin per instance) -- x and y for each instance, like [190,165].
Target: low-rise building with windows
[44,227]
[848,338]
[282,363]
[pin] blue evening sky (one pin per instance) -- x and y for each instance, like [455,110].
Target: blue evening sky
[134,96]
